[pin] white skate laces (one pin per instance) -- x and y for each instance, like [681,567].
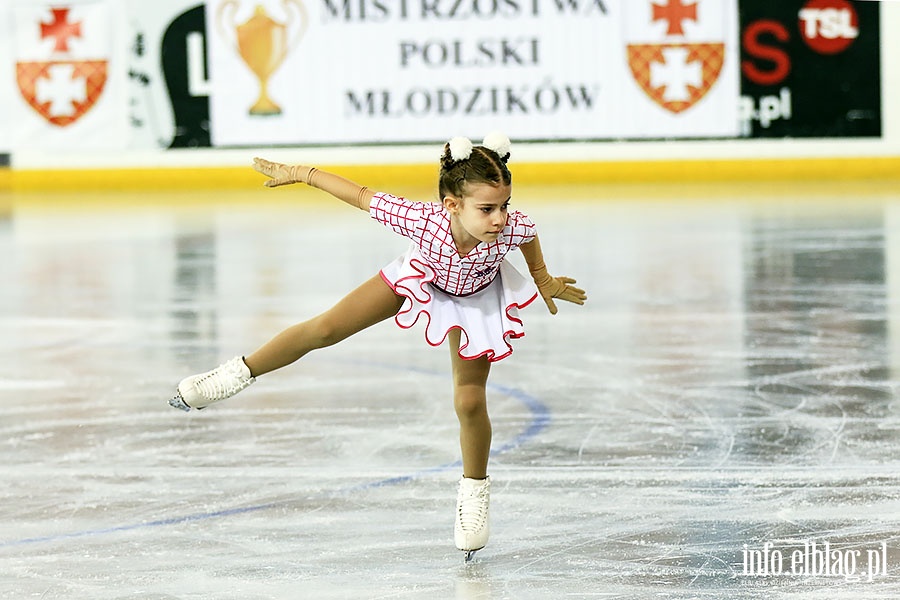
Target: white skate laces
[472,524]
[226,380]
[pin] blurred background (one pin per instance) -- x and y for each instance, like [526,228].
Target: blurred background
[595,89]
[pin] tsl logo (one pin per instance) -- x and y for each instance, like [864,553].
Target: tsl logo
[63,88]
[673,71]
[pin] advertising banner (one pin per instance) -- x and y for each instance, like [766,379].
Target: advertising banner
[168,74]
[810,68]
[69,75]
[375,71]
[130,74]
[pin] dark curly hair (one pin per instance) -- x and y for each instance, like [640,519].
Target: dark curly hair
[483,166]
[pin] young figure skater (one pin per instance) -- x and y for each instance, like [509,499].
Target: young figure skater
[454,277]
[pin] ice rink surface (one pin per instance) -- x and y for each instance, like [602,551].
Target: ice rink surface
[719,421]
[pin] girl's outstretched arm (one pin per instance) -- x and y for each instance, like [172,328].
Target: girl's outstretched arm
[549,287]
[342,189]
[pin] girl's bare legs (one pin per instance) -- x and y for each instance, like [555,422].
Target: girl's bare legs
[470,401]
[370,303]
[472,528]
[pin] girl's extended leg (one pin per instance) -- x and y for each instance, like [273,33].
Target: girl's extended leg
[470,401]
[370,303]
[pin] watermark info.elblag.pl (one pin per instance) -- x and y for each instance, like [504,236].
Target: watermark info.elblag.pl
[811,558]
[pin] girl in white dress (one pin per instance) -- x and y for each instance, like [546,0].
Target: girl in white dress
[454,278]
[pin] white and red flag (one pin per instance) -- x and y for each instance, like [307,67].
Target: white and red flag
[66,75]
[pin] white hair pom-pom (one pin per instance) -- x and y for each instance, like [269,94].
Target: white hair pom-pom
[498,142]
[460,148]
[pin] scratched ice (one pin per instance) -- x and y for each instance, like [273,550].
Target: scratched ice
[731,383]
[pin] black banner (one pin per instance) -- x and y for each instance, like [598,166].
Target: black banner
[810,68]
[191,111]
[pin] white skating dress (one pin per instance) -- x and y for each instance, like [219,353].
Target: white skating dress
[480,293]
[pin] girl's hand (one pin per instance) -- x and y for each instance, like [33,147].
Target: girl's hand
[278,173]
[559,287]
[549,287]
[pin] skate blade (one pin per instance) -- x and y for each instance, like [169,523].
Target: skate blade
[470,555]
[179,403]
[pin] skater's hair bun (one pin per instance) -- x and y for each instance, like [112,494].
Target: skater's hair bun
[459,148]
[499,143]
[463,163]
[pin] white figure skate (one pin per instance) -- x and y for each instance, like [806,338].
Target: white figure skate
[226,380]
[472,527]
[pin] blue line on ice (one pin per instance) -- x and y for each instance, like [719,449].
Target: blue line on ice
[540,418]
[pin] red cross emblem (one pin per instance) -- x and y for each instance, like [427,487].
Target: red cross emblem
[60,85]
[675,73]
[60,29]
[675,12]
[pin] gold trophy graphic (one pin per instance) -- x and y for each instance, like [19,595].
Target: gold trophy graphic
[263,43]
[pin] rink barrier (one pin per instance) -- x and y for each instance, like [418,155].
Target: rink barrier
[663,171]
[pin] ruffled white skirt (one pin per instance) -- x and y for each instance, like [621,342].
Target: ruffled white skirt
[488,319]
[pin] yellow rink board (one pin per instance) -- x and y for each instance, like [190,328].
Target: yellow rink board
[424,175]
